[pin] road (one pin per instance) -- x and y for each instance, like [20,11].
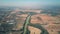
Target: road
[26,24]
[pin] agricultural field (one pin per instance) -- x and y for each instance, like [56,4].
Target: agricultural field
[30,22]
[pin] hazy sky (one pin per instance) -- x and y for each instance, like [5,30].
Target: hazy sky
[28,3]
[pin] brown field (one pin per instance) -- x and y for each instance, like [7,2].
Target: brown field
[48,22]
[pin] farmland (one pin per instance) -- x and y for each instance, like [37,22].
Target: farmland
[19,21]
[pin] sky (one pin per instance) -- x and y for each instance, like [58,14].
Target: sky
[29,3]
